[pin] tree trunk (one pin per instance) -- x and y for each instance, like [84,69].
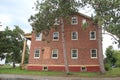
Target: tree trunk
[64,47]
[100,51]
[14,64]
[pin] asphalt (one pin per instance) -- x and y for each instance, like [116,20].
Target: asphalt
[29,77]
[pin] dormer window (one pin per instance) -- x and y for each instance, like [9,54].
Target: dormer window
[74,21]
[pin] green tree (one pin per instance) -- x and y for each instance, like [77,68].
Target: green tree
[117,57]
[11,42]
[107,15]
[110,56]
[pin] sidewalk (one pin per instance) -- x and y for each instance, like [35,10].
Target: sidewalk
[29,77]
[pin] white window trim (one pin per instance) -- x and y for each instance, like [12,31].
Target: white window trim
[34,54]
[90,35]
[72,56]
[39,38]
[76,20]
[72,35]
[53,36]
[91,54]
[52,54]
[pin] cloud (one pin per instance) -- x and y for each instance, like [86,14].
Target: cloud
[16,12]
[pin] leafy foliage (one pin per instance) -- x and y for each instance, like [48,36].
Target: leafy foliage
[49,10]
[107,14]
[11,42]
[112,58]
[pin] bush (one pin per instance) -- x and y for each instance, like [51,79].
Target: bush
[107,67]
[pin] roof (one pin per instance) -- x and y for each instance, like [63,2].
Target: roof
[28,36]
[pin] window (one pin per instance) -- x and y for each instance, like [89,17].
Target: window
[92,35]
[36,53]
[39,36]
[56,36]
[45,68]
[74,20]
[83,69]
[54,53]
[57,21]
[74,53]
[93,53]
[74,35]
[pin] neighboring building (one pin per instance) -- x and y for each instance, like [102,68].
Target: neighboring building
[46,53]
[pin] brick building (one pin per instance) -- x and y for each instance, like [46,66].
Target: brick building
[46,53]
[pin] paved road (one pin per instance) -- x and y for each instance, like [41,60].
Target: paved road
[27,77]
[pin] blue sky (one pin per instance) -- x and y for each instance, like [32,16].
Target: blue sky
[17,12]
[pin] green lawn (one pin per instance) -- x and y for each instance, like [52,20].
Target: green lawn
[115,72]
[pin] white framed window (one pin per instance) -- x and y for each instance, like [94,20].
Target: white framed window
[74,35]
[74,53]
[93,53]
[74,20]
[55,54]
[92,35]
[38,36]
[37,53]
[83,69]
[57,21]
[55,36]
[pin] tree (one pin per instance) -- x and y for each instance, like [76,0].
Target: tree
[51,11]
[107,15]
[11,42]
[110,56]
[117,57]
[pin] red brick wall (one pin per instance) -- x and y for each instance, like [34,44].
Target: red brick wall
[83,44]
[62,68]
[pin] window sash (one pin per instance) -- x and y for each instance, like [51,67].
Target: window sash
[74,20]
[54,53]
[74,35]
[93,53]
[92,35]
[56,36]
[74,53]
[36,53]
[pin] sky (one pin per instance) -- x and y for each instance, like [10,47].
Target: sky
[17,12]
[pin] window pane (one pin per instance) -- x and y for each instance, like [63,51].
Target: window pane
[74,20]
[54,53]
[74,54]
[37,53]
[94,53]
[39,36]
[92,35]
[74,35]
[55,35]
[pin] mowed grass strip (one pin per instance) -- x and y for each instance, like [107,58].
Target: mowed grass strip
[115,72]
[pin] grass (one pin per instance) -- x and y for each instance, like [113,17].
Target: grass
[115,72]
